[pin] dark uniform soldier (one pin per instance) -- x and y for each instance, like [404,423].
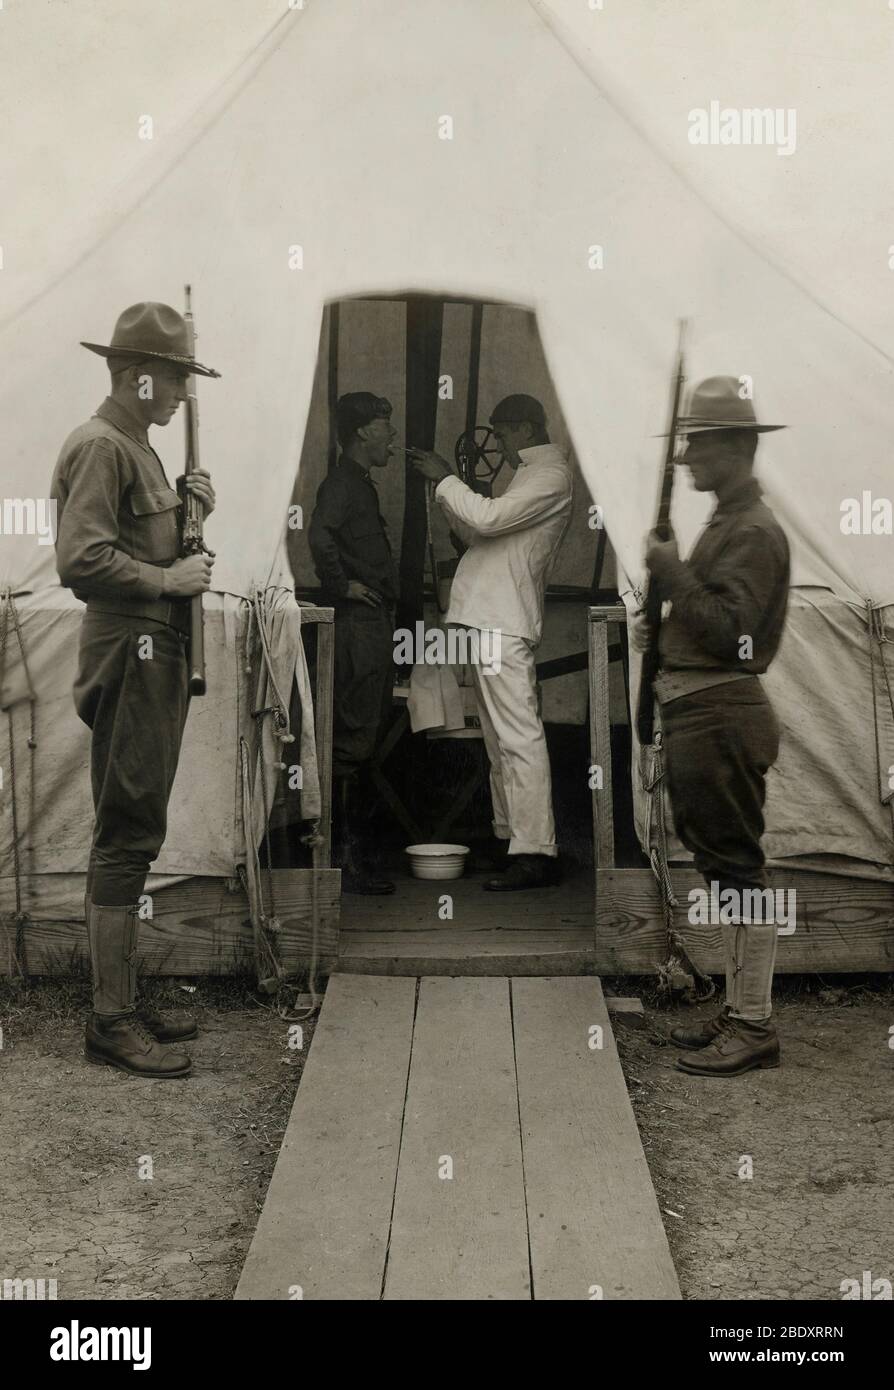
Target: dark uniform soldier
[118,548]
[721,735]
[353,561]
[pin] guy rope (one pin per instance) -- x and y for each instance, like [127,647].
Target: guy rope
[15,945]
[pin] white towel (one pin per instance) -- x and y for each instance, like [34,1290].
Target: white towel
[435,700]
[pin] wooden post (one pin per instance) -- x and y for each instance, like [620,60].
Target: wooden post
[425,323]
[601,737]
[324,618]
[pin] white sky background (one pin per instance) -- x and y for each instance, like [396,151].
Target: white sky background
[77,74]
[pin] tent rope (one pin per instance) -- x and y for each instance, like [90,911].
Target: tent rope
[269,924]
[16,949]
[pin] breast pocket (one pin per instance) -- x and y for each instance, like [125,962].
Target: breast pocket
[153,519]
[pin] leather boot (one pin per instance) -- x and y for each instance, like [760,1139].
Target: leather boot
[741,1045]
[166,1029]
[127,1044]
[497,852]
[524,871]
[115,1034]
[356,877]
[700,1034]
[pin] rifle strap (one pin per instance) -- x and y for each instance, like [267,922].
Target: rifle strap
[653,785]
[678,965]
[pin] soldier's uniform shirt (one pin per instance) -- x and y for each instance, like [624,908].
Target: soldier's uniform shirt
[117,531]
[347,535]
[348,540]
[733,585]
[721,734]
[118,518]
[499,585]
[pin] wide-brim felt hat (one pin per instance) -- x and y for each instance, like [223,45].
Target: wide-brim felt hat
[152,330]
[716,404]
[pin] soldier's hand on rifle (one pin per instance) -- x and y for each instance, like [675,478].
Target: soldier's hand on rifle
[199,483]
[661,556]
[363,594]
[638,632]
[189,576]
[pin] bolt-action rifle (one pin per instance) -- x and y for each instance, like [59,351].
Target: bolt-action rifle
[193,518]
[645,713]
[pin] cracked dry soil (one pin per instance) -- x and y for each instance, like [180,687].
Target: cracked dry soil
[72,1138]
[819,1207]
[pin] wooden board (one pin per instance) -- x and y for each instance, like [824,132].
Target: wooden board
[324,1226]
[415,906]
[595,1227]
[841,924]
[473,951]
[546,932]
[461,1237]
[202,927]
[548,1196]
[600,735]
[323,724]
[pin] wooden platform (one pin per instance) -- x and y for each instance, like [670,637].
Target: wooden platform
[460,1139]
[841,924]
[200,926]
[546,932]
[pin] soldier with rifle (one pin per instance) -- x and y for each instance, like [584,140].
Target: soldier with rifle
[721,736]
[120,547]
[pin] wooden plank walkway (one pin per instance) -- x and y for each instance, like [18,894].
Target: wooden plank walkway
[470,1140]
[325,1223]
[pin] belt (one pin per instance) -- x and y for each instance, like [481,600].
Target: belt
[173,612]
[673,685]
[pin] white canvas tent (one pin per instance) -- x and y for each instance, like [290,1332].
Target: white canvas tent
[305,163]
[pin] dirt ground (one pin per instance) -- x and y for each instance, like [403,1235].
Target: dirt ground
[818,1209]
[73,1205]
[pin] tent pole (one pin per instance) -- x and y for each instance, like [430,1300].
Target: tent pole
[425,324]
[323,717]
[600,737]
[474,366]
[332,382]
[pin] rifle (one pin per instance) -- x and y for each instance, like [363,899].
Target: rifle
[193,517]
[645,713]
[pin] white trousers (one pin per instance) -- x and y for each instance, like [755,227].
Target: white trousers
[520,780]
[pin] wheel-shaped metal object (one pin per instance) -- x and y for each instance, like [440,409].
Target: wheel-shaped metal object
[478,459]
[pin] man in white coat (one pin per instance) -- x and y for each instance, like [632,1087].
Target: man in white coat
[498,589]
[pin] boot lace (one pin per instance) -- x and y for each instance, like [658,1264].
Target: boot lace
[142,1032]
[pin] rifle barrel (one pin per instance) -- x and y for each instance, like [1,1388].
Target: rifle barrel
[193,518]
[645,715]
